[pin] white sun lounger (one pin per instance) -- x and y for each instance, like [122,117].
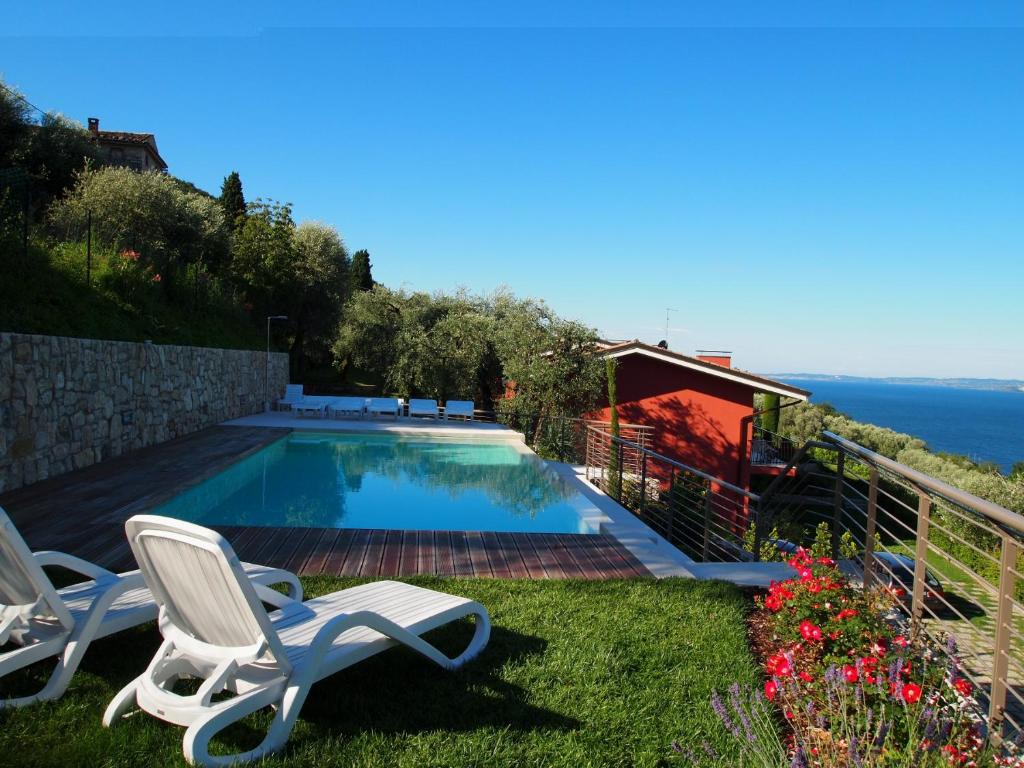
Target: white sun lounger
[41,621]
[216,629]
[292,395]
[310,404]
[388,406]
[346,405]
[423,408]
[462,408]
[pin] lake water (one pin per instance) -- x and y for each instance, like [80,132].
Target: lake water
[984,425]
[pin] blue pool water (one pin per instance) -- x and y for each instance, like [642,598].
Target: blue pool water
[386,481]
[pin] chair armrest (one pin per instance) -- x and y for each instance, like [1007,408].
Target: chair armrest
[273,597]
[263,577]
[76,564]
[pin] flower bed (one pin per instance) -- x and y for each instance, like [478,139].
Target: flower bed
[847,686]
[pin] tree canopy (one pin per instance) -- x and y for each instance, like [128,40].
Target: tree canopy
[361,276]
[232,200]
[468,347]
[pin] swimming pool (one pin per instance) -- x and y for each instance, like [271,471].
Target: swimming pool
[396,482]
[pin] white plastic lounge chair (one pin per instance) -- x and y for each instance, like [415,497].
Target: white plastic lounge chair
[41,621]
[309,404]
[423,408]
[292,395]
[388,406]
[216,629]
[462,408]
[346,406]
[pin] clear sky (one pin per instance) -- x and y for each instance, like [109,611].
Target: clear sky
[831,188]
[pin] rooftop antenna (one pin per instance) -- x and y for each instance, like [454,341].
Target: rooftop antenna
[667,310]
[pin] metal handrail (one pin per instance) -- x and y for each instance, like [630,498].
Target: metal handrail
[679,465]
[968,500]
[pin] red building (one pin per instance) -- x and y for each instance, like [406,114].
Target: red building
[701,408]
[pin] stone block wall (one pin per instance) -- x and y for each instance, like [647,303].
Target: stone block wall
[68,403]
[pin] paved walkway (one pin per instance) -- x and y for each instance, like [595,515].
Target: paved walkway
[83,512]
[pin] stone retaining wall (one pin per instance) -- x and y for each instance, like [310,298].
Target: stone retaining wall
[68,403]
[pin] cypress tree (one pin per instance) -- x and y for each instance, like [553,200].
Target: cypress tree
[231,198]
[360,274]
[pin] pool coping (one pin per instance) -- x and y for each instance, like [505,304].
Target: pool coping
[404,425]
[656,554]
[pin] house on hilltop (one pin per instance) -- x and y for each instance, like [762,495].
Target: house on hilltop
[137,151]
[701,408]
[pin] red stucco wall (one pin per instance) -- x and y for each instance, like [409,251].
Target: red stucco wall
[698,418]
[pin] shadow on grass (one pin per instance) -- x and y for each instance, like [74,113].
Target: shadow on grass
[400,692]
[395,692]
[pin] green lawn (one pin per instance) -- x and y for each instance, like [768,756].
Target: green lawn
[576,674]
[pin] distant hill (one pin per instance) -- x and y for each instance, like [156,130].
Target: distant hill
[1004,385]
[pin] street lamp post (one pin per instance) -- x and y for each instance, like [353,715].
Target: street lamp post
[266,368]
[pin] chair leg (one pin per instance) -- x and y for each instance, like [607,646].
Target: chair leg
[196,744]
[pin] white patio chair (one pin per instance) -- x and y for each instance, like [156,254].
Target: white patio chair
[423,408]
[311,404]
[41,621]
[216,629]
[387,406]
[351,406]
[292,395]
[461,408]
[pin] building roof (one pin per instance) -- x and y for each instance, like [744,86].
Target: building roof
[147,140]
[758,383]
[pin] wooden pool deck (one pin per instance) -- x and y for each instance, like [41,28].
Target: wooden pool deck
[83,513]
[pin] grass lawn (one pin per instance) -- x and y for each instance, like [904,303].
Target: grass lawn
[576,674]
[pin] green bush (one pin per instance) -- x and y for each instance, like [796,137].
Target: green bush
[148,213]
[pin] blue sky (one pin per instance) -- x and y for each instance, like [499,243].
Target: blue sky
[821,189]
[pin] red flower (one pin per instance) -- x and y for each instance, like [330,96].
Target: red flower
[779,666]
[826,561]
[880,647]
[901,641]
[807,677]
[963,686]
[157,278]
[846,613]
[911,693]
[770,689]
[809,631]
[850,673]
[129,254]
[773,603]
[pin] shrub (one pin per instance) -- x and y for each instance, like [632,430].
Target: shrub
[853,688]
[148,213]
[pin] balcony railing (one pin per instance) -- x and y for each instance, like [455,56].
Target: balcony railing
[769,449]
[954,561]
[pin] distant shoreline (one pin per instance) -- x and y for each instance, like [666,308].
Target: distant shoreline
[991,385]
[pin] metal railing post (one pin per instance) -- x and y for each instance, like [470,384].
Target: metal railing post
[837,503]
[924,512]
[643,484]
[618,447]
[706,549]
[869,531]
[1004,631]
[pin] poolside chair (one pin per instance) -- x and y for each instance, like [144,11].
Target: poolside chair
[346,405]
[423,408]
[292,395]
[309,404]
[463,408]
[41,621]
[388,406]
[216,629]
